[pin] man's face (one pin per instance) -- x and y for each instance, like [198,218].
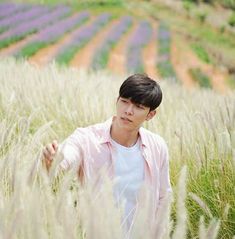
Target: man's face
[131,115]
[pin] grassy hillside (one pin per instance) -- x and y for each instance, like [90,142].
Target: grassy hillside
[217,43]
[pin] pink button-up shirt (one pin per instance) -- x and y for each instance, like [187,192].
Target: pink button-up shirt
[90,150]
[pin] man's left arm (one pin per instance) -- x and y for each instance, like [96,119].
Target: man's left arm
[165,185]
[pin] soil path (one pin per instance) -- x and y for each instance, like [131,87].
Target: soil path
[47,54]
[13,48]
[84,56]
[117,57]
[183,59]
[180,63]
[150,55]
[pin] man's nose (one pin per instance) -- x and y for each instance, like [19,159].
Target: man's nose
[129,109]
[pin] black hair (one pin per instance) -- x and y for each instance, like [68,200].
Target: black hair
[141,89]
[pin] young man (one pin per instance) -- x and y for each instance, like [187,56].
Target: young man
[130,154]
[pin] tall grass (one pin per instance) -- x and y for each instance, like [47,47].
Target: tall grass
[38,105]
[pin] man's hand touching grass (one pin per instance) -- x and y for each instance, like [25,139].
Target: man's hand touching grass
[49,152]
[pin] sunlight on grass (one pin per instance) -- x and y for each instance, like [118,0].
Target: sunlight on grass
[41,104]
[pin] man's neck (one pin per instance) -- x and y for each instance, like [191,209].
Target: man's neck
[122,136]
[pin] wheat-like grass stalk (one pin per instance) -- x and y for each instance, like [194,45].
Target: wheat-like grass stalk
[38,105]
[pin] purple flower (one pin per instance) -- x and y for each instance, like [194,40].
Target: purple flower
[117,31]
[101,54]
[85,33]
[7,8]
[138,40]
[55,31]
[20,17]
[36,24]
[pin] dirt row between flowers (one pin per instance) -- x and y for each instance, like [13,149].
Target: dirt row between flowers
[83,58]
[117,58]
[47,54]
[183,59]
[13,48]
[150,55]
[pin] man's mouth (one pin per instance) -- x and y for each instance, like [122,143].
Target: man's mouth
[126,119]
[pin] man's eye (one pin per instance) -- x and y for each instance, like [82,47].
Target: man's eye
[125,101]
[140,106]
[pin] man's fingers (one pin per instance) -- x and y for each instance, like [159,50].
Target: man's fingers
[55,145]
[49,152]
[50,149]
[47,155]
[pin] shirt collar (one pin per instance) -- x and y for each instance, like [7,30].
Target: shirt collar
[106,137]
[143,136]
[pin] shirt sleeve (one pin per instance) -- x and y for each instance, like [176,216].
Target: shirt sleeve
[71,149]
[165,192]
[165,185]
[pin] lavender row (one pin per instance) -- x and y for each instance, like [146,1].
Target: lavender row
[9,8]
[139,39]
[52,33]
[100,58]
[80,38]
[19,18]
[164,64]
[33,26]
[6,5]
[55,31]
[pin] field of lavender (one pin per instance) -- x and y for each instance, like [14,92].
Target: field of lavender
[41,33]
[54,22]
[38,104]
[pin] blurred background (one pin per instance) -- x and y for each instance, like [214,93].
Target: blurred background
[189,42]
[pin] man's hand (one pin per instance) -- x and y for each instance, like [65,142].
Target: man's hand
[49,152]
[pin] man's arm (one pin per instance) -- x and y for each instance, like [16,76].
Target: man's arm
[70,150]
[165,185]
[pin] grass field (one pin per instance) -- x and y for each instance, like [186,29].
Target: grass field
[40,104]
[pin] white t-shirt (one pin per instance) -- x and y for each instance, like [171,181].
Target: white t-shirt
[129,175]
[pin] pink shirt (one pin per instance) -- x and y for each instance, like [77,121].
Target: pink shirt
[90,150]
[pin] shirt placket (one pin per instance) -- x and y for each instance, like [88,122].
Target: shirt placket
[111,172]
[148,174]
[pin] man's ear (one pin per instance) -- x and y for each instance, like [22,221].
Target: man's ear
[151,114]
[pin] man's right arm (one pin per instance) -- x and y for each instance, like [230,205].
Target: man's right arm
[70,150]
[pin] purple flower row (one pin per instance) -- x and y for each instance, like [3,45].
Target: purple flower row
[55,31]
[138,40]
[9,8]
[36,24]
[142,35]
[20,17]
[101,54]
[117,31]
[5,5]
[85,33]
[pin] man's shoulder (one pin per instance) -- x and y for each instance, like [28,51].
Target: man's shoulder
[97,128]
[151,137]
